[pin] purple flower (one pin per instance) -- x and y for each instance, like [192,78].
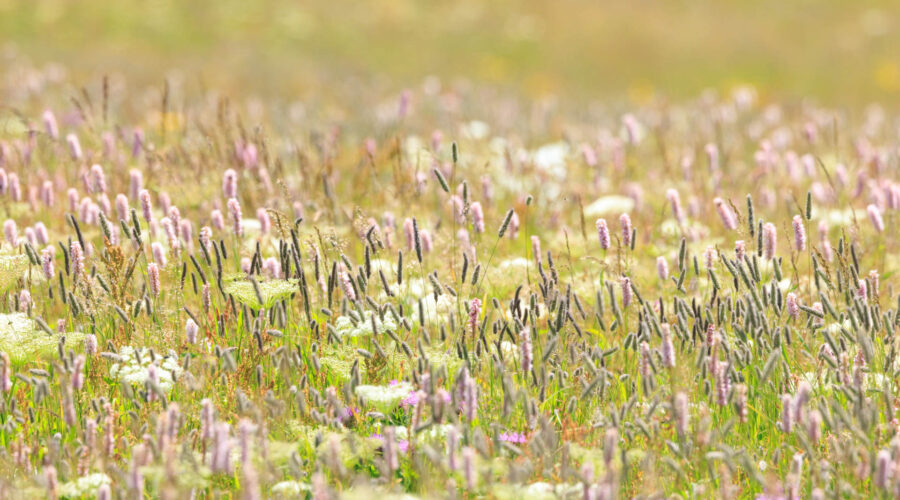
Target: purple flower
[726,214]
[513,437]
[229,183]
[234,208]
[411,400]
[603,233]
[799,233]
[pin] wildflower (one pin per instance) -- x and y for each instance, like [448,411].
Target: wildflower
[137,144]
[68,406]
[229,184]
[675,201]
[799,233]
[272,267]
[390,449]
[668,349]
[159,253]
[152,381]
[477,217]
[513,437]
[514,226]
[662,268]
[883,468]
[52,482]
[220,458]
[726,214]
[682,413]
[146,205]
[30,236]
[409,232]
[470,399]
[610,443]
[875,217]
[207,419]
[452,445]
[412,400]
[723,383]
[74,146]
[122,206]
[25,301]
[425,239]
[384,398]
[645,368]
[633,129]
[627,292]
[827,251]
[710,254]
[165,202]
[135,183]
[206,297]
[47,197]
[40,233]
[458,209]
[474,312]
[47,263]
[175,218]
[190,330]
[793,306]
[78,373]
[265,222]
[740,401]
[627,229]
[98,179]
[217,220]
[787,413]
[90,344]
[50,125]
[153,278]
[346,283]
[603,234]
[769,240]
[76,255]
[9,230]
[234,208]
[187,232]
[536,249]
[15,189]
[469,467]
[814,426]
[526,350]
[206,238]
[5,373]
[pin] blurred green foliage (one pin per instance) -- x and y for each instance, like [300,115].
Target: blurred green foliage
[836,50]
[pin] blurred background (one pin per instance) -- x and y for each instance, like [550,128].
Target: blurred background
[837,51]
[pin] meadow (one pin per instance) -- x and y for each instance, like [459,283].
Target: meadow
[397,273]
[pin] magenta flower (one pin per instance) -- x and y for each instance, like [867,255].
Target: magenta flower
[513,437]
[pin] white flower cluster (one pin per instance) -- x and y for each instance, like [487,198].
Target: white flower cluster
[84,486]
[384,397]
[539,490]
[509,351]
[134,364]
[290,489]
[609,205]
[345,327]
